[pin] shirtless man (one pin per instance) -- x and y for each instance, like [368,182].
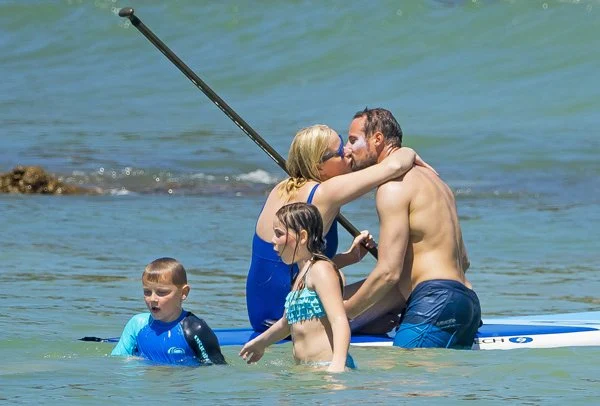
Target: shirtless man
[422,256]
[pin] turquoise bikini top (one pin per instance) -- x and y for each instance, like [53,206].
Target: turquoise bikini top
[303,304]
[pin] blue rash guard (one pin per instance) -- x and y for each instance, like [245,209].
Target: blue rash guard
[186,341]
[269,279]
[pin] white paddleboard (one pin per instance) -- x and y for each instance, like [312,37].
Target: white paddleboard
[497,333]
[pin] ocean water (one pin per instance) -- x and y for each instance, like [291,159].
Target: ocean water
[501,97]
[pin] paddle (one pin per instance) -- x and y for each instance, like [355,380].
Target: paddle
[100,340]
[127,12]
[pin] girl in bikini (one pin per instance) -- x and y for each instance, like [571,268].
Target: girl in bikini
[314,313]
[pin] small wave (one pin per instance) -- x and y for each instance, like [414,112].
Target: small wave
[132,181]
[120,192]
[258,176]
[202,176]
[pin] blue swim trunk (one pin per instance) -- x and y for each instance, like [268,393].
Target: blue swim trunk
[439,314]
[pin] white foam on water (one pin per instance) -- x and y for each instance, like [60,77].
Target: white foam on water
[258,176]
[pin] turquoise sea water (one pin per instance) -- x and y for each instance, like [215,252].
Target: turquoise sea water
[502,97]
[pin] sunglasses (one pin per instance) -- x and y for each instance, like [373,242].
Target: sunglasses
[340,151]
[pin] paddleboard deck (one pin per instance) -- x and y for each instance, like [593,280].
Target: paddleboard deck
[498,333]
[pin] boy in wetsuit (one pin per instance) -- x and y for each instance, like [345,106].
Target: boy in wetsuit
[168,334]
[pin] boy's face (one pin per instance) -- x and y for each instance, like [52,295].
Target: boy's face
[164,299]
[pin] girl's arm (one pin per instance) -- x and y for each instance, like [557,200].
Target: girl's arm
[254,349]
[339,190]
[357,250]
[325,282]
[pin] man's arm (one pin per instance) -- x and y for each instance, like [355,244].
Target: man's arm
[392,202]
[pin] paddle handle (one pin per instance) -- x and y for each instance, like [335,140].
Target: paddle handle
[128,12]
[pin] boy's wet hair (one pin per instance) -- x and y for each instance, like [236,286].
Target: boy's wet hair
[165,270]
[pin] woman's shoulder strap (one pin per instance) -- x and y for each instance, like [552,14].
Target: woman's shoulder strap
[312,193]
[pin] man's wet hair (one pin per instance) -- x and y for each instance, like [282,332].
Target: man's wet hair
[382,120]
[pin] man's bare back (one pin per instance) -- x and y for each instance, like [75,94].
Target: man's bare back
[435,248]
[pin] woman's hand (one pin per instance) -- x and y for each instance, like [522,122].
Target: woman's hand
[403,159]
[361,245]
[419,162]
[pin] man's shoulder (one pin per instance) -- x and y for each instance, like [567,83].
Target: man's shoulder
[400,191]
[393,196]
[399,186]
[411,180]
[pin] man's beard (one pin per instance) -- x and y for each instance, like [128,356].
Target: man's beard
[369,160]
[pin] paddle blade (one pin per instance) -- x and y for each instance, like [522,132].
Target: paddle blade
[100,340]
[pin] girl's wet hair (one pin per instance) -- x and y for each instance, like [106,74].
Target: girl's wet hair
[383,120]
[305,216]
[165,270]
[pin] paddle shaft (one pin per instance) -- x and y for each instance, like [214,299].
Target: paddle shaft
[128,12]
[100,340]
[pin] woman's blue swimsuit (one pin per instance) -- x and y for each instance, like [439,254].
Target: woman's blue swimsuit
[269,278]
[185,341]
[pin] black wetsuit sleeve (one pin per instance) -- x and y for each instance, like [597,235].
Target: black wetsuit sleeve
[202,340]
